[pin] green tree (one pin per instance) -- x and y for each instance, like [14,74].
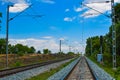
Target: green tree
[70,53]
[95,46]
[107,44]
[22,49]
[32,50]
[2,45]
[39,52]
[117,12]
[46,51]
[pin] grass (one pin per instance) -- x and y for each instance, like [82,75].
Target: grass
[47,74]
[108,69]
[15,60]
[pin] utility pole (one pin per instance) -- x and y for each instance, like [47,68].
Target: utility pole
[7,31]
[91,45]
[113,35]
[7,28]
[101,50]
[113,29]
[69,48]
[60,46]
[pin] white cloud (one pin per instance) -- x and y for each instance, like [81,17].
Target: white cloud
[98,7]
[48,1]
[95,4]
[67,10]
[13,1]
[47,37]
[18,7]
[51,44]
[40,44]
[90,1]
[68,19]
[78,9]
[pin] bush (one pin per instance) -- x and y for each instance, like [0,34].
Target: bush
[17,64]
[20,54]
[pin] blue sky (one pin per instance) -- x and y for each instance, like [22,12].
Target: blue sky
[62,19]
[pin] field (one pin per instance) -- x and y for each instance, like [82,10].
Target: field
[15,60]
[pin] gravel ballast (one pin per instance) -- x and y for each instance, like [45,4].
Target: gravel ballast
[33,72]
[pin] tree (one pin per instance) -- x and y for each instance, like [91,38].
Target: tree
[95,46]
[39,52]
[2,45]
[46,51]
[107,45]
[32,50]
[24,49]
[70,53]
[117,12]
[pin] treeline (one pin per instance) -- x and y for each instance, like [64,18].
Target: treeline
[107,42]
[18,48]
[24,49]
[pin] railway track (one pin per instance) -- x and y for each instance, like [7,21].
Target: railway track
[81,71]
[11,71]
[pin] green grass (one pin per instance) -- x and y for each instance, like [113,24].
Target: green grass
[47,74]
[108,69]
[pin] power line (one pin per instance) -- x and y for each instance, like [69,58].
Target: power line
[19,13]
[96,10]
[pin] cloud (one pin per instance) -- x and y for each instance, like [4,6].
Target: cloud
[78,9]
[13,1]
[18,7]
[90,1]
[48,1]
[51,44]
[67,10]
[40,44]
[47,37]
[68,19]
[101,7]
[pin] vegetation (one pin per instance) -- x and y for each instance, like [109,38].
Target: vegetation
[46,51]
[15,48]
[19,55]
[107,47]
[39,52]
[47,74]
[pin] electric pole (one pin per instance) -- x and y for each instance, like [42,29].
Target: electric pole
[7,28]
[69,48]
[91,45]
[7,31]
[113,29]
[60,46]
[101,48]
[113,35]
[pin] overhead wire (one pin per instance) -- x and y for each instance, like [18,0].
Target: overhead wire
[19,13]
[27,14]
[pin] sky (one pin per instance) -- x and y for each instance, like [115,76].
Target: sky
[43,23]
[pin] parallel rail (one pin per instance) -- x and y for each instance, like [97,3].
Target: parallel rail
[81,71]
[28,67]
